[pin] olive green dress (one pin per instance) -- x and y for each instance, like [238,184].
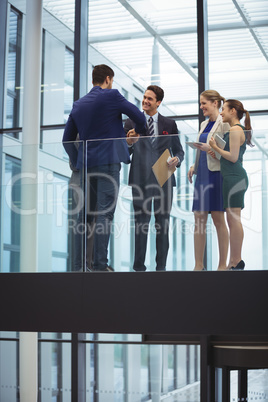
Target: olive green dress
[235,179]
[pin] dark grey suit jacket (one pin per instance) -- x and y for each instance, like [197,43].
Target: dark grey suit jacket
[144,154]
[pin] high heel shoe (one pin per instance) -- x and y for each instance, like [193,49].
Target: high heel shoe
[239,267]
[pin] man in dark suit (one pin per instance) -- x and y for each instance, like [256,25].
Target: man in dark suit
[145,188]
[97,119]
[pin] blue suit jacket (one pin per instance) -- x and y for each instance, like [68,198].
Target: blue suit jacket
[97,116]
[144,155]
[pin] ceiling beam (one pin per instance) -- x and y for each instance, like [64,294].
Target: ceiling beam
[191,101]
[239,9]
[176,31]
[156,35]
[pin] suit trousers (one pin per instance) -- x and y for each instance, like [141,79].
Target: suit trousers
[102,188]
[143,199]
[77,196]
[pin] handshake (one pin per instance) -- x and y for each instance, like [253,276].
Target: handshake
[132,137]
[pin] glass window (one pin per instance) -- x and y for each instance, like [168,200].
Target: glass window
[9,371]
[11,219]
[238,51]
[58,62]
[53,223]
[137,102]
[13,70]
[54,372]
[68,82]
[53,191]
[162,48]
[53,80]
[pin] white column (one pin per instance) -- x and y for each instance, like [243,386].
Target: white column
[156,371]
[29,169]
[30,136]
[133,367]
[155,64]
[28,367]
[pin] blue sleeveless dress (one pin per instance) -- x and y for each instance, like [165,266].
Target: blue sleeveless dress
[208,194]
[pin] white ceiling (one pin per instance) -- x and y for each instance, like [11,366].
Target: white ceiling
[124,32]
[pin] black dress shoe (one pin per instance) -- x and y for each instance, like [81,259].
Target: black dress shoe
[239,267]
[139,269]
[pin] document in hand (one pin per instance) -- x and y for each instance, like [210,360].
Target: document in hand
[161,170]
[193,144]
[221,144]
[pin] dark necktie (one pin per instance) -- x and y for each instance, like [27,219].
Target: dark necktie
[151,129]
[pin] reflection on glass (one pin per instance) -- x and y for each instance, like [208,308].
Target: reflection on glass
[58,211]
[54,210]
[258,384]
[9,378]
[11,219]
[68,83]
[13,70]
[54,371]
[139,372]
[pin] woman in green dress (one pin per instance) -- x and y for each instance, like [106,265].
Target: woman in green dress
[235,179]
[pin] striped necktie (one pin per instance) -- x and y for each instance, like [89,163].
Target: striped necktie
[151,128]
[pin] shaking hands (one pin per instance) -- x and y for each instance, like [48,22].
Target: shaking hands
[132,137]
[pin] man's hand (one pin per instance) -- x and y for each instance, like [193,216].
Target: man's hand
[173,162]
[132,137]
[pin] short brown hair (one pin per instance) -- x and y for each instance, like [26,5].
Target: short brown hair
[159,93]
[100,72]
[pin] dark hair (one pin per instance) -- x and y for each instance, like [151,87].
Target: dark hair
[100,73]
[159,93]
[212,95]
[238,106]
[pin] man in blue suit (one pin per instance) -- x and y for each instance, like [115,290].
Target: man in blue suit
[145,188]
[97,117]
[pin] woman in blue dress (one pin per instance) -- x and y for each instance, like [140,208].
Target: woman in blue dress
[208,183]
[235,179]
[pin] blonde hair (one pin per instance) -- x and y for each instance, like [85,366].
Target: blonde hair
[212,95]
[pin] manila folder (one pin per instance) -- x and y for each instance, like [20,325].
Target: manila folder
[161,170]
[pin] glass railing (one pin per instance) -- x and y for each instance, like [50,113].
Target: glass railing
[46,228]
[36,208]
